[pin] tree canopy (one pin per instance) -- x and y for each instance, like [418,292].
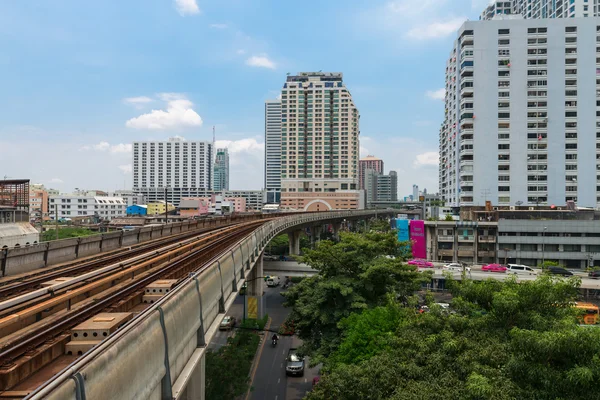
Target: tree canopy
[502,340]
[358,272]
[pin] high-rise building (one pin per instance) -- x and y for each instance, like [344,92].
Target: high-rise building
[415,193]
[181,168]
[369,162]
[539,9]
[387,187]
[273,150]
[370,185]
[221,171]
[522,120]
[319,143]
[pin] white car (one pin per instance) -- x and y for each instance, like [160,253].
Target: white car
[519,269]
[456,267]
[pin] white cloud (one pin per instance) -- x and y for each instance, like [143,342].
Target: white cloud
[187,7]
[427,158]
[436,29]
[219,26]
[126,169]
[137,102]
[101,146]
[261,61]
[179,114]
[56,180]
[242,146]
[241,51]
[439,94]
[105,146]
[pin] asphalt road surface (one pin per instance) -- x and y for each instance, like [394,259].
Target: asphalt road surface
[270,381]
[220,337]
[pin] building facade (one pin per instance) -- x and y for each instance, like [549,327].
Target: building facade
[273,151]
[387,187]
[71,206]
[538,9]
[369,162]
[184,168]
[159,207]
[319,143]
[38,204]
[221,172]
[137,209]
[522,119]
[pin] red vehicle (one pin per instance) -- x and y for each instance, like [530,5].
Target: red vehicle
[494,268]
[421,263]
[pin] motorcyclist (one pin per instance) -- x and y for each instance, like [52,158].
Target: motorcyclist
[275,338]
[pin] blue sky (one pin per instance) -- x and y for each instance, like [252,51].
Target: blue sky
[81,80]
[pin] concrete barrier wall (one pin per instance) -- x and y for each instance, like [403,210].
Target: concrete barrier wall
[131,364]
[24,259]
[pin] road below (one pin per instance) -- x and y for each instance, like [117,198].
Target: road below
[270,381]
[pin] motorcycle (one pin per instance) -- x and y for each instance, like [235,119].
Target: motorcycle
[274,342]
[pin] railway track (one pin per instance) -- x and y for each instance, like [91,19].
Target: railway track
[122,296]
[20,284]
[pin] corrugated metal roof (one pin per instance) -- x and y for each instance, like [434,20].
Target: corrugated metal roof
[17,229]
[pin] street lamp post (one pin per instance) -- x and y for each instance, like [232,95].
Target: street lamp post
[544,246]
[246,291]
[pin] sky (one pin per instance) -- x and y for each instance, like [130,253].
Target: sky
[82,80]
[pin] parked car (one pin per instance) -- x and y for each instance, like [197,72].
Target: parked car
[295,363]
[456,267]
[273,281]
[227,323]
[594,274]
[494,268]
[421,263]
[269,257]
[559,271]
[519,269]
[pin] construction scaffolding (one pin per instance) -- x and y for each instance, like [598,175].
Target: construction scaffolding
[14,194]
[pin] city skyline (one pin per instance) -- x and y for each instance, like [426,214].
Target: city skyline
[90,92]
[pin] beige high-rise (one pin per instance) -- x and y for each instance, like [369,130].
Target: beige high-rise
[319,143]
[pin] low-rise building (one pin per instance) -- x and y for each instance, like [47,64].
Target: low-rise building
[38,204]
[159,207]
[137,209]
[193,207]
[67,206]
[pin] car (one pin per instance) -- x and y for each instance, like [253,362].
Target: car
[494,268]
[519,269]
[295,363]
[456,267]
[269,257]
[421,263]
[558,271]
[227,323]
[594,274]
[273,281]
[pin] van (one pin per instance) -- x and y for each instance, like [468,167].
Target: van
[273,281]
[520,269]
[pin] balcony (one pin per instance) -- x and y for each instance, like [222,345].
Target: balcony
[445,238]
[486,253]
[469,238]
[466,152]
[487,239]
[445,253]
[466,141]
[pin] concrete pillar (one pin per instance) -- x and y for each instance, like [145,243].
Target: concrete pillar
[294,240]
[196,386]
[256,288]
[336,227]
[315,234]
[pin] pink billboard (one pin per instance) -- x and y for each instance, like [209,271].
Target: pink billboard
[417,237]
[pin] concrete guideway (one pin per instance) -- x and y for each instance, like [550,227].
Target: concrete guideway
[160,355]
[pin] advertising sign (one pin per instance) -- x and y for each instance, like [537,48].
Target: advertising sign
[417,236]
[252,307]
[402,226]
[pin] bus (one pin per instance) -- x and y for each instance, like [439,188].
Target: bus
[589,313]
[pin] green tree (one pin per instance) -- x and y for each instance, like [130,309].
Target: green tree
[448,218]
[357,273]
[504,340]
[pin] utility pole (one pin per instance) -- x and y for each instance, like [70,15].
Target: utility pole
[166,207]
[56,219]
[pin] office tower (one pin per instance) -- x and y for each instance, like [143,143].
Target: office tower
[319,143]
[183,168]
[370,185]
[387,187]
[273,151]
[415,193]
[221,171]
[369,162]
[539,9]
[521,122]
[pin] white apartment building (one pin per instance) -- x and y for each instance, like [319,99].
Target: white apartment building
[71,206]
[273,149]
[182,167]
[522,115]
[319,142]
[539,9]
